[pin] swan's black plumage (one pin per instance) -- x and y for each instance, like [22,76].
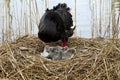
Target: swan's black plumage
[56,24]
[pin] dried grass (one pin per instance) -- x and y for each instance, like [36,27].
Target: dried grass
[96,59]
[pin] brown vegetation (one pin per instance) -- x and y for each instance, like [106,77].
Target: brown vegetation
[96,59]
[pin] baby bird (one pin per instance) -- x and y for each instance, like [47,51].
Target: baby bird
[54,53]
[69,53]
[58,53]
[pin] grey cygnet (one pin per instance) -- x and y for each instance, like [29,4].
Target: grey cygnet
[54,53]
[69,53]
[58,53]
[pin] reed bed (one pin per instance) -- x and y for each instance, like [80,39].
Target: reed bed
[20,17]
[96,59]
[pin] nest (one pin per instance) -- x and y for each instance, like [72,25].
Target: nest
[96,59]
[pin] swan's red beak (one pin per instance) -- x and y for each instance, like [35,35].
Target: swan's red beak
[64,43]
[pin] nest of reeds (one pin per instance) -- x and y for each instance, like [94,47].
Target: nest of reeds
[96,59]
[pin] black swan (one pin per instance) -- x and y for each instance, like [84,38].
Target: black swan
[56,24]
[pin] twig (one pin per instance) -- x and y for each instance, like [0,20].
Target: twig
[71,69]
[106,69]
[44,65]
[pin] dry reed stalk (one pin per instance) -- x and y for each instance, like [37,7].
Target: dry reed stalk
[92,26]
[100,20]
[114,27]
[37,13]
[46,5]
[75,22]
[26,24]
[44,65]
[106,69]
[96,32]
[3,28]
[30,7]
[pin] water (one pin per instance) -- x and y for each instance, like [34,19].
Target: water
[87,16]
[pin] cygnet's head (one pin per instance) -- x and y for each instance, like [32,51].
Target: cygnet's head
[69,53]
[55,53]
[45,53]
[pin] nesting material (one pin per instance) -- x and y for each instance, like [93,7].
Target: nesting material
[95,59]
[58,53]
[23,48]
